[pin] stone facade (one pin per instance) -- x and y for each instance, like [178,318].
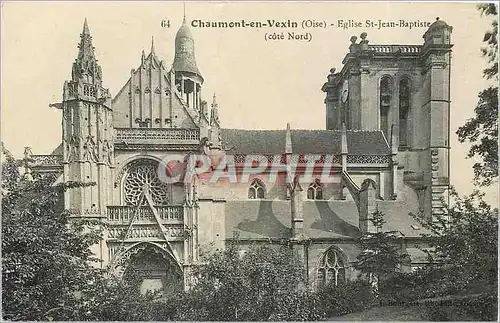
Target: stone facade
[386,137]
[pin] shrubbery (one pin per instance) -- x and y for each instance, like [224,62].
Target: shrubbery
[349,297]
[263,284]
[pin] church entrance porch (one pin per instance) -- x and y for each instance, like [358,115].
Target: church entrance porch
[151,269]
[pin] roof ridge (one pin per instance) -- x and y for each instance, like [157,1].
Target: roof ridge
[360,130]
[264,130]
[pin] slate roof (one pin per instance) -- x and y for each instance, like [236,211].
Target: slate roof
[322,218]
[240,141]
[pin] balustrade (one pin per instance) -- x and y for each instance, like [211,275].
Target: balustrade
[42,160]
[155,135]
[405,49]
[118,215]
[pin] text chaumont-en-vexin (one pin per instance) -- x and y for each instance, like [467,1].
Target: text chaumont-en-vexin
[269,23]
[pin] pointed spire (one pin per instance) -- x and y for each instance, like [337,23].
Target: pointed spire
[214,113]
[184,17]
[288,140]
[85,30]
[86,66]
[152,44]
[214,101]
[86,50]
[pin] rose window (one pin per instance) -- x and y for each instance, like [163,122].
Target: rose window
[144,178]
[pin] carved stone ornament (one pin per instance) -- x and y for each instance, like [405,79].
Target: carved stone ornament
[106,155]
[139,176]
[123,259]
[72,146]
[90,152]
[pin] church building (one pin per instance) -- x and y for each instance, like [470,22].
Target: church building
[386,142]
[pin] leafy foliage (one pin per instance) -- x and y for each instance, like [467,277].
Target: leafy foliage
[262,284]
[45,257]
[109,299]
[464,262]
[47,271]
[466,243]
[491,40]
[348,297]
[482,130]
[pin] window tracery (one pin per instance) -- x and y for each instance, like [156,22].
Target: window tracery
[331,268]
[144,176]
[315,191]
[256,190]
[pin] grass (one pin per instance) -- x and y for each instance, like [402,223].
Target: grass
[402,313]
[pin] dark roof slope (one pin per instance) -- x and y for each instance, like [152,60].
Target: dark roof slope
[239,141]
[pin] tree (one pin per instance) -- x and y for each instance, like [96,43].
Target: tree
[47,271]
[381,255]
[264,283]
[482,130]
[464,261]
[466,244]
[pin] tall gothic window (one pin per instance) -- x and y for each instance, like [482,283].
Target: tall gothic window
[331,269]
[315,191]
[385,104]
[256,189]
[404,108]
[142,178]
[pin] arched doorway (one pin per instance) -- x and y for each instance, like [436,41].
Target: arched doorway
[151,268]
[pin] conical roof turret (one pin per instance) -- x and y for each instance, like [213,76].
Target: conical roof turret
[185,61]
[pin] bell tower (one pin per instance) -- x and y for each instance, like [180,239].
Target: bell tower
[436,57]
[87,130]
[188,78]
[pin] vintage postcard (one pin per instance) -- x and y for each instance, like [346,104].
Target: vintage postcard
[249,161]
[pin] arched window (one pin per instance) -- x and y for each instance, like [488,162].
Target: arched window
[331,268]
[404,108]
[385,104]
[315,191]
[256,190]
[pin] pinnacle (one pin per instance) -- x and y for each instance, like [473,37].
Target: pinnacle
[184,16]
[214,101]
[86,30]
[86,49]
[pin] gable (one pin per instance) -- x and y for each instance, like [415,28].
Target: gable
[150,97]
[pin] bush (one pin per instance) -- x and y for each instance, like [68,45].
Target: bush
[260,285]
[349,297]
[264,284]
[475,308]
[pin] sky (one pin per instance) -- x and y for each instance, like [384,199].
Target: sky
[260,84]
